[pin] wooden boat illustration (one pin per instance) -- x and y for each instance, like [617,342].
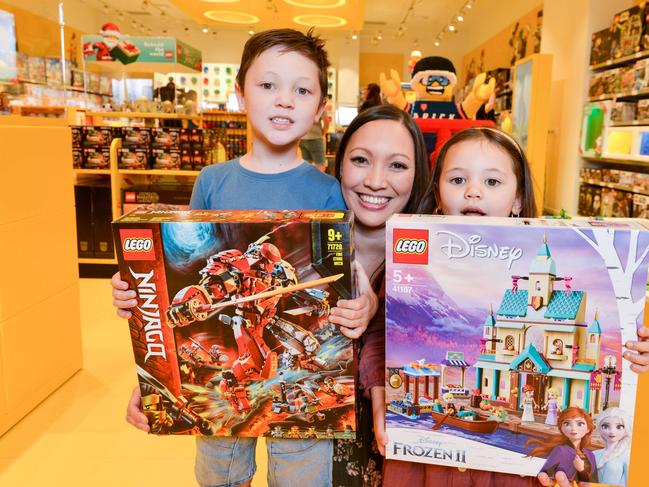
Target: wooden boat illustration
[481,425]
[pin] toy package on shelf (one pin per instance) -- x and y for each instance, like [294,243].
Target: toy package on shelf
[231,334]
[629,25]
[640,206]
[503,333]
[596,117]
[601,46]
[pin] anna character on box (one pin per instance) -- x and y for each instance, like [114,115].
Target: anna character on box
[569,456]
[528,403]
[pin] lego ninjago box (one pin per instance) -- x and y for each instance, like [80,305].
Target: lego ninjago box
[230,333]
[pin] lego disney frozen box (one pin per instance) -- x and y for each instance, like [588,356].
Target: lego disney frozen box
[504,343]
[230,333]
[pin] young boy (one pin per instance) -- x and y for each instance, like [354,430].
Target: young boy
[282,84]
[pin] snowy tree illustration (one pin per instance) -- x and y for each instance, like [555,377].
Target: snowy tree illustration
[628,309]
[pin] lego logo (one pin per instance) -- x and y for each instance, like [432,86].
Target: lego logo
[138,244]
[410,246]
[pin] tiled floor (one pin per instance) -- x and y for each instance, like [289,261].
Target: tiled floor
[78,436]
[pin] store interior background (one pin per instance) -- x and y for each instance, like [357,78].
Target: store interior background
[72,430]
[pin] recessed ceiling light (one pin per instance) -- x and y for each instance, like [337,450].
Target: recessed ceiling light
[354,36]
[460,18]
[231,17]
[317,20]
[451,27]
[317,3]
[205,30]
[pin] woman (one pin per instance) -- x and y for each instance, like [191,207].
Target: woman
[383,169]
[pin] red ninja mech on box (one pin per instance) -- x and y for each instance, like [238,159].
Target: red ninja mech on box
[230,333]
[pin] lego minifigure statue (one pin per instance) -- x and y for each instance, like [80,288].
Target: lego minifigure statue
[528,403]
[552,406]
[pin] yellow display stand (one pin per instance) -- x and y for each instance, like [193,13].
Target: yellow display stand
[40,334]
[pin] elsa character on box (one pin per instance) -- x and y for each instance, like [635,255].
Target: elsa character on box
[528,403]
[552,406]
[613,460]
[569,455]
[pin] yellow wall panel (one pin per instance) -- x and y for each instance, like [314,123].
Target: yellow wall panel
[371,64]
[37,256]
[36,171]
[38,345]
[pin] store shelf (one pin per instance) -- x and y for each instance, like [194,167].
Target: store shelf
[173,116]
[628,95]
[631,123]
[629,161]
[38,109]
[92,171]
[112,261]
[158,172]
[611,63]
[620,187]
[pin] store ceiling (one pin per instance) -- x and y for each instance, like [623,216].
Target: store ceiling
[367,18]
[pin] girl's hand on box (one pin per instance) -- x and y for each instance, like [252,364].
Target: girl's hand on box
[378,415]
[640,360]
[353,315]
[123,297]
[134,414]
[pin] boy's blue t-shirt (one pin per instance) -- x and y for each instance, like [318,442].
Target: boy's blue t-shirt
[230,186]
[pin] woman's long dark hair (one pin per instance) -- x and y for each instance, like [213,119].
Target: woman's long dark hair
[431,200]
[390,112]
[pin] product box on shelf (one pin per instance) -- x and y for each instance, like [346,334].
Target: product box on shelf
[642,112]
[77,136]
[186,159]
[136,136]
[133,158]
[97,136]
[640,206]
[165,138]
[641,182]
[231,334]
[177,196]
[497,337]
[627,178]
[198,159]
[53,72]
[630,26]
[623,111]
[596,117]
[36,68]
[165,159]
[96,158]
[601,46]
[77,158]
[582,206]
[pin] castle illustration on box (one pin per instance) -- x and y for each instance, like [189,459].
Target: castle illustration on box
[517,324]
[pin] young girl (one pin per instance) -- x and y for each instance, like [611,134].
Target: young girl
[383,169]
[569,456]
[480,171]
[613,460]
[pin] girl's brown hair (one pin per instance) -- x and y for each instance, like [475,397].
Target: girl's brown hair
[544,447]
[431,200]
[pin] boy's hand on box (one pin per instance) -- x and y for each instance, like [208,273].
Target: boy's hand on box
[640,360]
[378,414]
[353,315]
[123,297]
[134,414]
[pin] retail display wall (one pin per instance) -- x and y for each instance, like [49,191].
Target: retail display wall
[40,332]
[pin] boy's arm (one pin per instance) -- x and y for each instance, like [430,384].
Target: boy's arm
[197,201]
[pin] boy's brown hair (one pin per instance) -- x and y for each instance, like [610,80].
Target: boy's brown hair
[309,45]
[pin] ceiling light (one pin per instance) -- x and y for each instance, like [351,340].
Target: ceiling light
[317,3]
[415,53]
[319,20]
[251,32]
[205,30]
[460,18]
[231,17]
[451,28]
[436,43]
